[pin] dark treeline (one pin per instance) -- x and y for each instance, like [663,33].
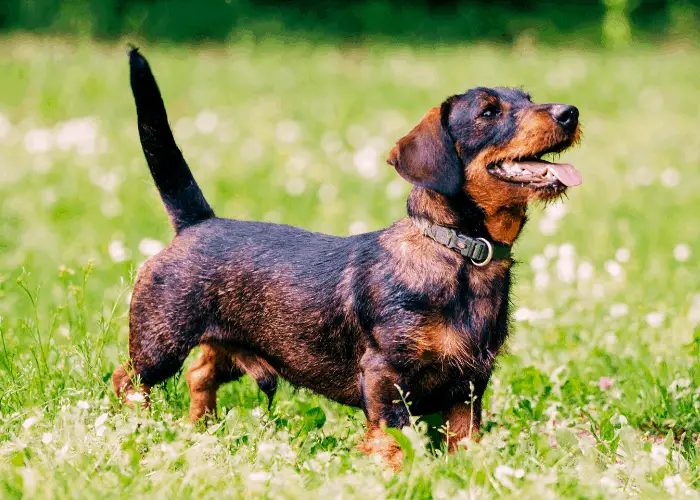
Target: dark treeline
[428,21]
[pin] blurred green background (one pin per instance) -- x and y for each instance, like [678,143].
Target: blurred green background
[611,22]
[286,113]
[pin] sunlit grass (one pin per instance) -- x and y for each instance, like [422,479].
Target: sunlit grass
[598,396]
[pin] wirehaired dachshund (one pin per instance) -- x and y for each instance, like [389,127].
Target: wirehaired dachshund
[421,306]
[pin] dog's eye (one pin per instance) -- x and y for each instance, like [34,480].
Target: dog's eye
[489,112]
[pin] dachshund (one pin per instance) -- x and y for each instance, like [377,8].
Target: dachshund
[421,307]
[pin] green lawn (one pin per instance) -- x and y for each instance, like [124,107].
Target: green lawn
[598,396]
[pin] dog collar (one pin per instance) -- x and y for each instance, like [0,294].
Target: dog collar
[479,250]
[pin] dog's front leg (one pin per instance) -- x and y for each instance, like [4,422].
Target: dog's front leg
[383,407]
[463,420]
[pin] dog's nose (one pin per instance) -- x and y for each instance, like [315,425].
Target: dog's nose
[565,115]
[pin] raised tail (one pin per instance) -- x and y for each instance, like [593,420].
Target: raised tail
[181,195]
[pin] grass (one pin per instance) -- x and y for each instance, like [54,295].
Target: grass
[598,396]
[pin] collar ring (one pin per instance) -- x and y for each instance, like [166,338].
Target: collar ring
[488,258]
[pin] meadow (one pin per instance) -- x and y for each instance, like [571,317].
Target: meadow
[598,394]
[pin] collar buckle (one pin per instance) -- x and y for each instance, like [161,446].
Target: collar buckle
[479,251]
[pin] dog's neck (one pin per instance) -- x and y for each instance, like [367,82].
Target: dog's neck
[463,214]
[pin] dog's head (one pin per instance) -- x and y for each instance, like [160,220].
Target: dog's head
[489,143]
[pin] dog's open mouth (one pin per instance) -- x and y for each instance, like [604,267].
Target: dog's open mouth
[535,171]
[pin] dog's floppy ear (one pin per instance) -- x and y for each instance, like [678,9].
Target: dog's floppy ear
[426,156]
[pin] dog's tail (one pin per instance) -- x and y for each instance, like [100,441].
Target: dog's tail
[181,195]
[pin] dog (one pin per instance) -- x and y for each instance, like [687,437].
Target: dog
[420,307]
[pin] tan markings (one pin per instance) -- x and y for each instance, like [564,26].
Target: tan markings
[481,279]
[441,341]
[418,261]
[461,422]
[214,366]
[503,202]
[124,388]
[379,442]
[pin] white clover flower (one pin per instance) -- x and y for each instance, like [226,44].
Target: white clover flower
[357,135]
[642,176]
[38,140]
[5,126]
[567,251]
[206,122]
[136,397]
[618,310]
[295,186]
[681,383]
[659,454]
[522,314]
[546,313]
[358,227]
[117,251]
[327,193]
[614,269]
[101,419]
[670,177]
[111,208]
[566,270]
[556,210]
[251,150]
[694,311]
[681,252]
[29,422]
[609,482]
[185,128]
[503,470]
[655,319]
[297,162]
[675,485]
[622,255]
[272,216]
[550,251]
[538,262]
[366,162]
[63,451]
[585,271]
[288,131]
[541,280]
[503,473]
[150,247]
[331,143]
[548,226]
[395,189]
[80,134]
[258,477]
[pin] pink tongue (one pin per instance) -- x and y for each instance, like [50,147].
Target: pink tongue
[566,174]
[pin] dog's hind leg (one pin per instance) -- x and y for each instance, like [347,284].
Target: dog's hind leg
[214,367]
[154,356]
[164,326]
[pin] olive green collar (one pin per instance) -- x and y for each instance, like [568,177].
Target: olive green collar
[479,250]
